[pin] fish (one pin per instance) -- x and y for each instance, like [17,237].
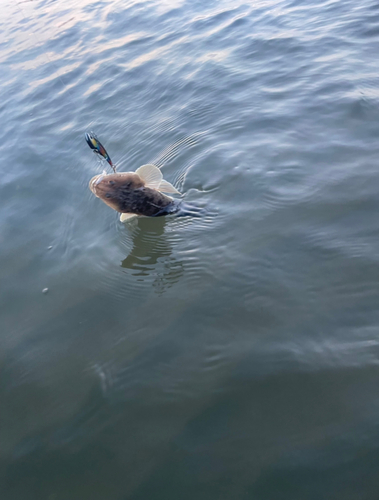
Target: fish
[139,193]
[94,143]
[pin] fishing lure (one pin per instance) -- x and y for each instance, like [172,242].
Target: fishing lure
[94,143]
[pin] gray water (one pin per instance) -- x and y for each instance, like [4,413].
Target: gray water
[230,356]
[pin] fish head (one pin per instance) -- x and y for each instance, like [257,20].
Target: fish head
[112,189]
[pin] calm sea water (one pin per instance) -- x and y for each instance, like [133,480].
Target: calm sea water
[231,356]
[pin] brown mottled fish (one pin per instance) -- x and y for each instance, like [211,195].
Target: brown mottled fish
[136,193]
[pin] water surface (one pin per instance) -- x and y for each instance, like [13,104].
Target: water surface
[231,356]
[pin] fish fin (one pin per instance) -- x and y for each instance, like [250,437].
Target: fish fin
[151,175]
[166,187]
[127,217]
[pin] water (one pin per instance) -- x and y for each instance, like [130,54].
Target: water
[231,356]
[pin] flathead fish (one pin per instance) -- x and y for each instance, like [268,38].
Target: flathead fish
[136,193]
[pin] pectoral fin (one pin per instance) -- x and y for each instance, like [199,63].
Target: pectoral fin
[151,175]
[127,217]
[166,187]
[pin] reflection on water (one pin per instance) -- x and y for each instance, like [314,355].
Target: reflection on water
[151,254]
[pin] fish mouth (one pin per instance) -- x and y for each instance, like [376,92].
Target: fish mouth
[94,182]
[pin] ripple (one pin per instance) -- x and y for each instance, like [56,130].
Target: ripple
[175,149]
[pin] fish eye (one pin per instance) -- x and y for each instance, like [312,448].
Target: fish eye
[108,195]
[112,183]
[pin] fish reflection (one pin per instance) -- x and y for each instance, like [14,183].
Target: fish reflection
[151,255]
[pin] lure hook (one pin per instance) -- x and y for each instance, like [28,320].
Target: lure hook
[94,143]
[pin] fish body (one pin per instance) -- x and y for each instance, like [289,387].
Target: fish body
[136,193]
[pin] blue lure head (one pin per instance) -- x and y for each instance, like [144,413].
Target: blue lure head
[94,143]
